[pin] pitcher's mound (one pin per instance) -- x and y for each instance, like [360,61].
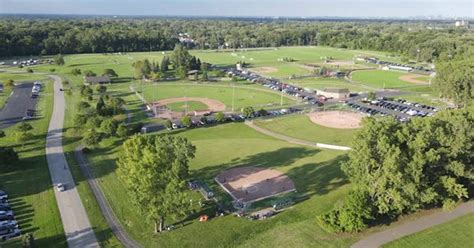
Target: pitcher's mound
[337,119]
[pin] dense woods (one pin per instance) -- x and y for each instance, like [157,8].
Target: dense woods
[415,40]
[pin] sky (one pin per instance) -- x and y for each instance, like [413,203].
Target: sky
[282,8]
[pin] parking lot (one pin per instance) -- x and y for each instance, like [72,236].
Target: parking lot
[8,225]
[401,109]
[20,105]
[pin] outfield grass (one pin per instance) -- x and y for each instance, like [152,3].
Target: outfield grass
[29,183]
[322,83]
[186,106]
[301,127]
[381,79]
[222,92]
[455,233]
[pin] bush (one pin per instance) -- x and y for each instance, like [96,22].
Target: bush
[109,127]
[91,138]
[29,70]
[76,71]
[122,131]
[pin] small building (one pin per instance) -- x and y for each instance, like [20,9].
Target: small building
[97,80]
[336,93]
[400,68]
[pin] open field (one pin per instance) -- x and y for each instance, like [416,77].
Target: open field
[29,183]
[456,233]
[301,127]
[315,173]
[186,106]
[222,92]
[321,83]
[381,79]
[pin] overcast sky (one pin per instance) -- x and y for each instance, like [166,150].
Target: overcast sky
[303,8]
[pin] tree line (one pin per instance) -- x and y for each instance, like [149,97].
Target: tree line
[419,40]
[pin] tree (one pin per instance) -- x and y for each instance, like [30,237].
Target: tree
[76,71]
[89,73]
[2,134]
[181,72]
[205,77]
[28,241]
[262,112]
[168,124]
[22,132]
[59,59]
[9,83]
[122,130]
[220,117]
[371,95]
[109,72]
[455,79]
[91,138]
[8,157]
[100,107]
[29,70]
[154,169]
[101,89]
[86,91]
[248,112]
[165,63]
[109,127]
[186,120]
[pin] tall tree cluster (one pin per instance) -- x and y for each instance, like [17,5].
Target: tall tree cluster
[154,170]
[399,168]
[423,41]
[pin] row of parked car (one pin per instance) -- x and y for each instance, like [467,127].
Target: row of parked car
[210,118]
[276,85]
[8,225]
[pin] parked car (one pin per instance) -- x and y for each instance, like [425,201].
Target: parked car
[8,233]
[3,195]
[9,223]
[61,187]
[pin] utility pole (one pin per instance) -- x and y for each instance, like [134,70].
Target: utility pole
[233,96]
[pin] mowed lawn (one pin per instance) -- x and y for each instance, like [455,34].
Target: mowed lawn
[186,106]
[456,233]
[322,83]
[381,79]
[29,184]
[244,96]
[301,127]
[315,172]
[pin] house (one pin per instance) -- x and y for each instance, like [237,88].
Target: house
[96,80]
[336,93]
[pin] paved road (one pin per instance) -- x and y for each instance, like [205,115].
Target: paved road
[17,105]
[394,233]
[295,141]
[105,208]
[76,224]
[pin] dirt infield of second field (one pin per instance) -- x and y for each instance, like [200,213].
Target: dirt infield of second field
[161,111]
[337,119]
[412,78]
[250,184]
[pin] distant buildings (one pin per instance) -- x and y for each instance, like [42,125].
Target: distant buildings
[461,23]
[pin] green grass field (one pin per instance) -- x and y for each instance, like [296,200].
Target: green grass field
[186,106]
[244,96]
[29,184]
[315,172]
[455,233]
[321,83]
[381,79]
[300,127]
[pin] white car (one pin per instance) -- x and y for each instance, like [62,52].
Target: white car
[9,223]
[60,187]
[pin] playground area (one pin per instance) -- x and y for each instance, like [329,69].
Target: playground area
[189,106]
[337,119]
[251,184]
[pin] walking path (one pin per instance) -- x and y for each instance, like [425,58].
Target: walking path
[79,232]
[394,233]
[105,208]
[295,141]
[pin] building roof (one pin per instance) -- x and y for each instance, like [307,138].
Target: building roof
[97,80]
[336,90]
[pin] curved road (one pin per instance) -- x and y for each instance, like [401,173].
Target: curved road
[79,232]
[394,233]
